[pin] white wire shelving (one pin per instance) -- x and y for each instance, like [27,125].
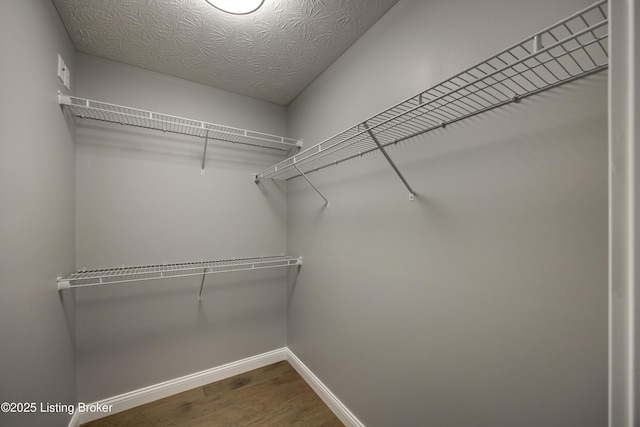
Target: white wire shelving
[573,48]
[105,112]
[109,276]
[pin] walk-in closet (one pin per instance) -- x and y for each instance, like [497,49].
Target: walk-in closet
[360,213]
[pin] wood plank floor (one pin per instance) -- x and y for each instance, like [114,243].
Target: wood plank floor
[275,395]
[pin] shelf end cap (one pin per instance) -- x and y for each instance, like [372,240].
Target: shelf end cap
[64,99]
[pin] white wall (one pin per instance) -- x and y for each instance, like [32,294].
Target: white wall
[142,200]
[37,205]
[484,302]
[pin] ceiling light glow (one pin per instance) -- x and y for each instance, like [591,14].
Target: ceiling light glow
[236,7]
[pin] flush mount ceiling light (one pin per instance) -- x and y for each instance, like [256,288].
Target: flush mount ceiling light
[236,7]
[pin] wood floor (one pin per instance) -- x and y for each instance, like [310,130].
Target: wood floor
[275,395]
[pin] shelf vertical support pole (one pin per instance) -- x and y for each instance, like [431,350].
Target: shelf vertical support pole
[326,202]
[204,154]
[393,165]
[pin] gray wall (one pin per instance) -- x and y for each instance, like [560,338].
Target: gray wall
[37,204]
[141,200]
[483,302]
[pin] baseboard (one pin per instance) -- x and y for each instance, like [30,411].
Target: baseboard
[75,419]
[338,408]
[159,391]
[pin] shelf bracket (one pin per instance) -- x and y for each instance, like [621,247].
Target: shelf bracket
[204,274]
[326,202]
[393,165]
[295,149]
[204,154]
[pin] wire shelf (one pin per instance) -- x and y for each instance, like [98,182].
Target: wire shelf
[102,111]
[108,276]
[572,48]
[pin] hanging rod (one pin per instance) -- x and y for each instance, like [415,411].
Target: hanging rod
[102,111]
[109,276]
[573,48]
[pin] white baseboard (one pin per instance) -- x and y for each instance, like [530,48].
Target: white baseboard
[338,408]
[75,419]
[159,391]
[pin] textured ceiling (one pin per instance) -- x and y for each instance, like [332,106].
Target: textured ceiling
[272,54]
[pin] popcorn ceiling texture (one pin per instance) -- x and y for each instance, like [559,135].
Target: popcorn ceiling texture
[272,54]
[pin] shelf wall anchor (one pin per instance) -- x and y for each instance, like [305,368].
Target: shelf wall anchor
[412,196]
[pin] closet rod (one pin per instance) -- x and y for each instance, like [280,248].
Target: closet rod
[570,49]
[109,276]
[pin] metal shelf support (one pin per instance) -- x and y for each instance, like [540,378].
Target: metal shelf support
[326,202]
[574,47]
[109,276]
[391,162]
[204,274]
[82,108]
[204,154]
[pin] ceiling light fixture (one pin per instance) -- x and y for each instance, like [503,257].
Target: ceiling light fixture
[236,7]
